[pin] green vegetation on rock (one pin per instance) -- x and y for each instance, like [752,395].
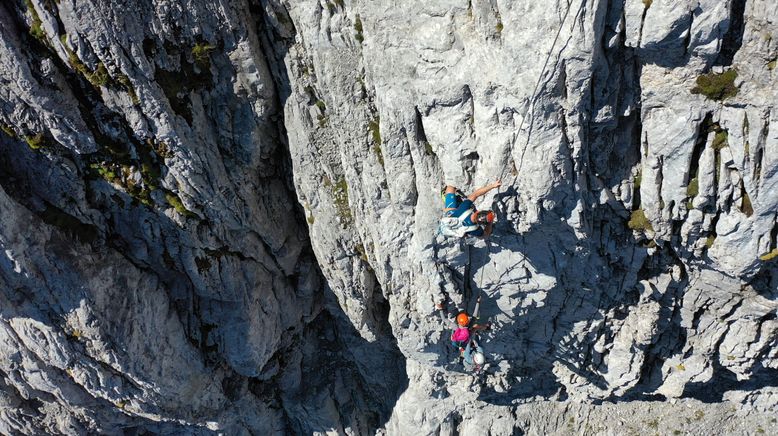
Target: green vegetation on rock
[123,80]
[746,206]
[35,142]
[36,29]
[379,154]
[720,140]
[693,188]
[717,86]
[358,29]
[178,205]
[8,130]
[340,196]
[638,221]
[374,127]
[769,256]
[99,77]
[201,54]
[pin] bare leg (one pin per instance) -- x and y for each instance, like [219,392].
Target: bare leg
[450,190]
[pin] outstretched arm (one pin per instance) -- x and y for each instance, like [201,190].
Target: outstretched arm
[481,191]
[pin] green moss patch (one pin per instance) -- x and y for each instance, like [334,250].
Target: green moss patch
[36,29]
[8,130]
[201,54]
[178,205]
[358,29]
[717,86]
[746,207]
[379,154]
[720,140]
[99,77]
[769,256]
[638,221]
[693,188]
[340,195]
[374,127]
[35,142]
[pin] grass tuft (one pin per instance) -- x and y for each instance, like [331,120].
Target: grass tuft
[693,188]
[638,221]
[8,130]
[746,206]
[375,130]
[358,29]
[717,86]
[36,26]
[769,256]
[178,205]
[340,192]
[201,53]
[379,154]
[35,142]
[720,140]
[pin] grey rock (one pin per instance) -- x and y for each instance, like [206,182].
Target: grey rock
[222,218]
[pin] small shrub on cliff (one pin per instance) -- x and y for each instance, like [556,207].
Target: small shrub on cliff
[358,29]
[35,142]
[178,205]
[769,256]
[374,127]
[35,26]
[717,86]
[201,53]
[8,130]
[638,221]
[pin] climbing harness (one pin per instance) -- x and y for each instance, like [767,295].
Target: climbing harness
[455,226]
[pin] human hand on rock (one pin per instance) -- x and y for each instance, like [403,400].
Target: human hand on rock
[496,184]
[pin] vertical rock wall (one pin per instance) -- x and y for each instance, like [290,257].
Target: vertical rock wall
[159,169]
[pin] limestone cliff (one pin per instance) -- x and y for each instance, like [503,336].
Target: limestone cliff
[221,217]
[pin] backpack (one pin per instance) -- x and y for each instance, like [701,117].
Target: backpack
[455,226]
[460,337]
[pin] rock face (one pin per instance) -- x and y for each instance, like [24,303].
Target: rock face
[222,217]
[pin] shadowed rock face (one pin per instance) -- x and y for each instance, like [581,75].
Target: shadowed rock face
[222,217]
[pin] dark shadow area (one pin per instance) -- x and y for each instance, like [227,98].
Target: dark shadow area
[672,50]
[363,378]
[733,39]
[724,380]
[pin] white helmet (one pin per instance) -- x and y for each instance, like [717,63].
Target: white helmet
[479,358]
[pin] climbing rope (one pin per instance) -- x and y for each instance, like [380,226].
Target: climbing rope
[537,84]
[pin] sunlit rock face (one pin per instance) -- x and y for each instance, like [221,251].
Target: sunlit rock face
[223,217]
